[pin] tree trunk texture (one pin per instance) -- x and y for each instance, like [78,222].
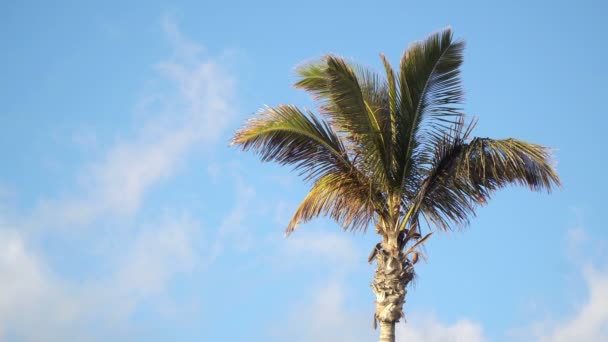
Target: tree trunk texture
[387,332]
[393,273]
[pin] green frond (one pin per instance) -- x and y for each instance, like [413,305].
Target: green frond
[376,94]
[393,148]
[393,108]
[430,95]
[463,175]
[314,78]
[342,196]
[495,163]
[356,117]
[288,136]
[355,102]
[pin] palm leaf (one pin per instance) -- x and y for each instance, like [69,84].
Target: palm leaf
[430,94]
[417,244]
[463,175]
[314,78]
[393,111]
[495,163]
[393,149]
[287,135]
[341,196]
[355,103]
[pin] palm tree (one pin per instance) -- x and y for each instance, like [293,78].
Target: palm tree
[395,152]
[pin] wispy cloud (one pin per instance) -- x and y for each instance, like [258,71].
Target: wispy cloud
[334,248]
[190,113]
[324,317]
[34,295]
[325,314]
[429,329]
[158,252]
[327,317]
[30,295]
[590,321]
[194,115]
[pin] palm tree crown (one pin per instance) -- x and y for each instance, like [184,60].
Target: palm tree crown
[394,151]
[391,150]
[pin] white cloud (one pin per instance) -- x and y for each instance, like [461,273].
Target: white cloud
[327,317]
[235,226]
[195,114]
[183,48]
[429,329]
[589,322]
[324,317]
[117,184]
[336,248]
[33,295]
[39,303]
[327,313]
[156,255]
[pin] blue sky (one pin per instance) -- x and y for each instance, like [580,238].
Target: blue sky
[124,214]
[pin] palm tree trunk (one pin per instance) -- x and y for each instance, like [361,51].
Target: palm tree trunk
[393,273]
[387,331]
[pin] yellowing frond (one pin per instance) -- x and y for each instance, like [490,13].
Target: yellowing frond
[342,197]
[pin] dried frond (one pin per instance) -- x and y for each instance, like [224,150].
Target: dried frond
[342,197]
[417,244]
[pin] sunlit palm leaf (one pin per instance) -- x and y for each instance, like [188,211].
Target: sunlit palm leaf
[401,137]
[314,78]
[355,102]
[376,96]
[341,196]
[393,107]
[464,175]
[430,94]
[495,163]
[288,136]
[394,151]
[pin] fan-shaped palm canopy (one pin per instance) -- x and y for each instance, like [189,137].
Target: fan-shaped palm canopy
[392,149]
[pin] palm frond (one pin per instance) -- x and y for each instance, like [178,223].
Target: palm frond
[355,103]
[444,196]
[341,196]
[495,163]
[393,108]
[314,78]
[417,244]
[430,95]
[376,96]
[463,175]
[288,136]
[394,149]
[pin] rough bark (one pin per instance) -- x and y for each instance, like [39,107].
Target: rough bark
[387,332]
[393,273]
